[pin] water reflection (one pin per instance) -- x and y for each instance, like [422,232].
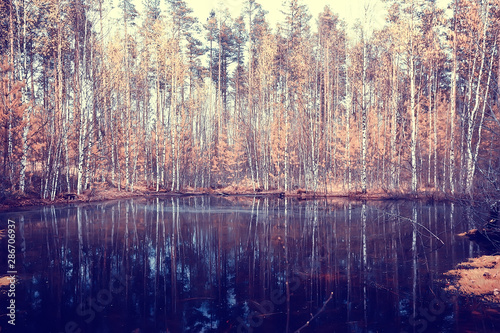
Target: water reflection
[205,264]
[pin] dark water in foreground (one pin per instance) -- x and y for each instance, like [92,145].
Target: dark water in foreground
[210,264]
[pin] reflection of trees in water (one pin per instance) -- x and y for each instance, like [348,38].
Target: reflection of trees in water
[202,263]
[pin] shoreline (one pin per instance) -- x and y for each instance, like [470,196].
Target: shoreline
[477,277]
[102,195]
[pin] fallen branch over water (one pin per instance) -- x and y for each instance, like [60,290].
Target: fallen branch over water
[416,223]
[317,313]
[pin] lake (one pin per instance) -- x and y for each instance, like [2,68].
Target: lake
[240,264]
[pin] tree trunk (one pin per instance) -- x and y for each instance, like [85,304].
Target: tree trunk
[413,118]
[364,120]
[470,164]
[453,101]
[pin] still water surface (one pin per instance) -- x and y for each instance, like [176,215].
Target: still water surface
[211,264]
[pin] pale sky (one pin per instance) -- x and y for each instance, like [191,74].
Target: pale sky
[347,10]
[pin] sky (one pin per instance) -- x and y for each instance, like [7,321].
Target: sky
[347,10]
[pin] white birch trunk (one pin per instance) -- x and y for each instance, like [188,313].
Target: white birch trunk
[470,162]
[26,114]
[348,110]
[453,103]
[394,116]
[364,120]
[429,148]
[472,156]
[413,118]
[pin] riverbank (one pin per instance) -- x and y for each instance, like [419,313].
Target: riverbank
[478,277]
[104,193]
[26,201]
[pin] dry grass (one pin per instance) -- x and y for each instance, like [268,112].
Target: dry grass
[108,194]
[4,281]
[478,277]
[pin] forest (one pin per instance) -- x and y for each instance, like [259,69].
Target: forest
[170,102]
